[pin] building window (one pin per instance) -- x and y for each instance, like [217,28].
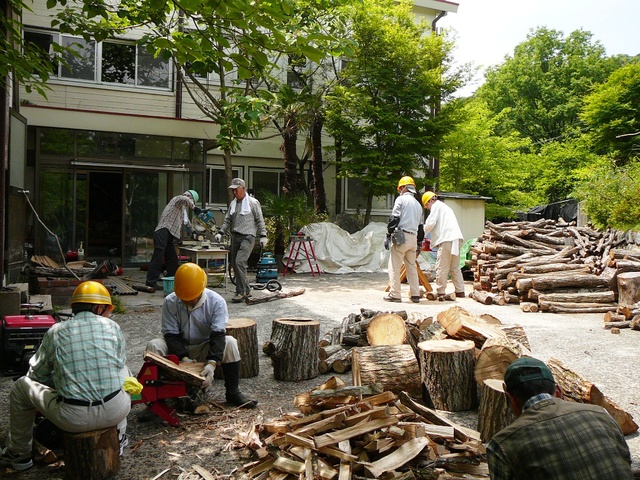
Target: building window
[80,63]
[265,182]
[356,198]
[119,62]
[217,185]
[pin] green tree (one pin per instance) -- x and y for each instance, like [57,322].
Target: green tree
[611,112]
[475,160]
[383,112]
[540,89]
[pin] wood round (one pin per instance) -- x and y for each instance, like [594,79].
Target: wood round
[386,329]
[447,372]
[245,331]
[293,348]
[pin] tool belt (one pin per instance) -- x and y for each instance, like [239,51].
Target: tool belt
[88,403]
[397,237]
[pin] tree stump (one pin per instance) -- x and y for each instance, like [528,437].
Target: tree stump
[393,367]
[447,372]
[293,348]
[245,331]
[386,329]
[628,288]
[92,455]
[494,411]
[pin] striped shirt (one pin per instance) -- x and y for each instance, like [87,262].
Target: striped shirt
[250,223]
[174,213]
[82,358]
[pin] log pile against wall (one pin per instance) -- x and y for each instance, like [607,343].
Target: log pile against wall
[552,266]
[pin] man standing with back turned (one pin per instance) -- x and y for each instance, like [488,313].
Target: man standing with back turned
[447,237]
[244,222]
[402,230]
[553,439]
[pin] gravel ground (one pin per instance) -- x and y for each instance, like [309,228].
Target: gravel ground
[579,341]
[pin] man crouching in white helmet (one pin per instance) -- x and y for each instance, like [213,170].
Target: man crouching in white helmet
[194,321]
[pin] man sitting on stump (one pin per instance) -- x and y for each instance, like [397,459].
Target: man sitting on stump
[194,321]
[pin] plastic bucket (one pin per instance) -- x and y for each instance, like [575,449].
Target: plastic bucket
[167,285]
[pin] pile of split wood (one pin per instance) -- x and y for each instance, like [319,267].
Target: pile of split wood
[363,432]
[553,266]
[386,424]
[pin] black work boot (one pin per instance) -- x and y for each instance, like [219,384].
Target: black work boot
[233,394]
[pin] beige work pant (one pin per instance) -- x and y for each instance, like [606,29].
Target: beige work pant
[446,264]
[397,255]
[28,397]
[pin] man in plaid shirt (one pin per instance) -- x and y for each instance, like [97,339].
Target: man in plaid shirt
[174,216]
[553,439]
[75,378]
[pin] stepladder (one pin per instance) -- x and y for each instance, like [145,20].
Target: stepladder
[301,248]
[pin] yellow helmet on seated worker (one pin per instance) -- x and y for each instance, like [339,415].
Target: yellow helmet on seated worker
[92,292]
[189,282]
[426,196]
[194,195]
[404,181]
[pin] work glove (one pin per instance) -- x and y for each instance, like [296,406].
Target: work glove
[207,372]
[218,238]
[187,360]
[263,241]
[387,239]
[132,386]
[197,210]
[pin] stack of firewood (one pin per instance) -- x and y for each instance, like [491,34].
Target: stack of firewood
[363,432]
[369,328]
[551,266]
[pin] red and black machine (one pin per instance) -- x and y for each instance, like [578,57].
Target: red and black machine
[20,337]
[156,388]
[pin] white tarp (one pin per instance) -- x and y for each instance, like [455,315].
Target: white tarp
[338,251]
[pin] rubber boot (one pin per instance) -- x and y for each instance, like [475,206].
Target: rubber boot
[233,394]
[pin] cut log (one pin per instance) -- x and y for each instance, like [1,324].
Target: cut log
[447,373]
[294,351]
[386,329]
[628,288]
[495,356]
[485,298]
[551,267]
[92,455]
[605,296]
[618,325]
[560,307]
[271,298]
[551,282]
[494,411]
[461,325]
[578,389]
[326,351]
[245,331]
[613,317]
[395,367]
[326,365]
[528,307]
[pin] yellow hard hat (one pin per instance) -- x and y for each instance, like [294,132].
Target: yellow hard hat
[426,196]
[92,292]
[189,282]
[406,181]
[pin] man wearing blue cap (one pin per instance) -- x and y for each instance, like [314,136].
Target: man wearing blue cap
[553,438]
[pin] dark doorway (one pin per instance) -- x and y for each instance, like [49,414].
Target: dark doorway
[104,216]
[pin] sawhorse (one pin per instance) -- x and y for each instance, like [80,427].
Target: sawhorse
[422,278]
[300,242]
